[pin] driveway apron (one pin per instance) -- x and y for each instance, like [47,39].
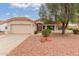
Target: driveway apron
[10,41]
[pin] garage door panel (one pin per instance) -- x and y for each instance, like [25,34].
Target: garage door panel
[21,28]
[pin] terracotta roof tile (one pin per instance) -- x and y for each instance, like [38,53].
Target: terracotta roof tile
[19,19]
[1,22]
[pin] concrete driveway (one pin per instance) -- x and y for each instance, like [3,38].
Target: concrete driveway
[10,41]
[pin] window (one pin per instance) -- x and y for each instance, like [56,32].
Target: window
[50,27]
[43,27]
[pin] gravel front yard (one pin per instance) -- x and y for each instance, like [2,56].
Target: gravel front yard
[67,44]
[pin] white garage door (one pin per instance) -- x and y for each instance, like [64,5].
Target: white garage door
[21,29]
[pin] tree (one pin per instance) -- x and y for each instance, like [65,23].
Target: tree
[42,12]
[46,21]
[62,12]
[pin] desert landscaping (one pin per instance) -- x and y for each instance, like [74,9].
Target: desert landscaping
[47,29]
[57,45]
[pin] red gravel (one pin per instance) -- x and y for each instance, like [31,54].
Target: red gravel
[67,44]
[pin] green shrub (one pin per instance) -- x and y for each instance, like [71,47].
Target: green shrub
[70,28]
[77,28]
[46,32]
[76,31]
[35,32]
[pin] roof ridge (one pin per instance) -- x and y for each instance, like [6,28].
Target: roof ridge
[18,18]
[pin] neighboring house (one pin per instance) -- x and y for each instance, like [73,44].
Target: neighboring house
[19,25]
[2,26]
[73,25]
[53,26]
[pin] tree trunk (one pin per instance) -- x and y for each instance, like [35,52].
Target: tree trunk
[63,28]
[68,17]
[67,23]
[64,25]
[63,31]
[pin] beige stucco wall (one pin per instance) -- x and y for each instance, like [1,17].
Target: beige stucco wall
[20,22]
[2,27]
[33,27]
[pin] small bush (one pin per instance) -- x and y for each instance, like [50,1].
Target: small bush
[35,32]
[70,28]
[46,32]
[76,31]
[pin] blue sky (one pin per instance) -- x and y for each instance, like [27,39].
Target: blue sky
[9,10]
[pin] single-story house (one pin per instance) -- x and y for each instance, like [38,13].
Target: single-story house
[19,25]
[2,26]
[53,26]
[71,25]
[25,25]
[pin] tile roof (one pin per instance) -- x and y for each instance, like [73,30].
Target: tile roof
[19,19]
[1,22]
[38,21]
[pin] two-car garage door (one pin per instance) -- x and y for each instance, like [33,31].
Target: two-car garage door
[21,28]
